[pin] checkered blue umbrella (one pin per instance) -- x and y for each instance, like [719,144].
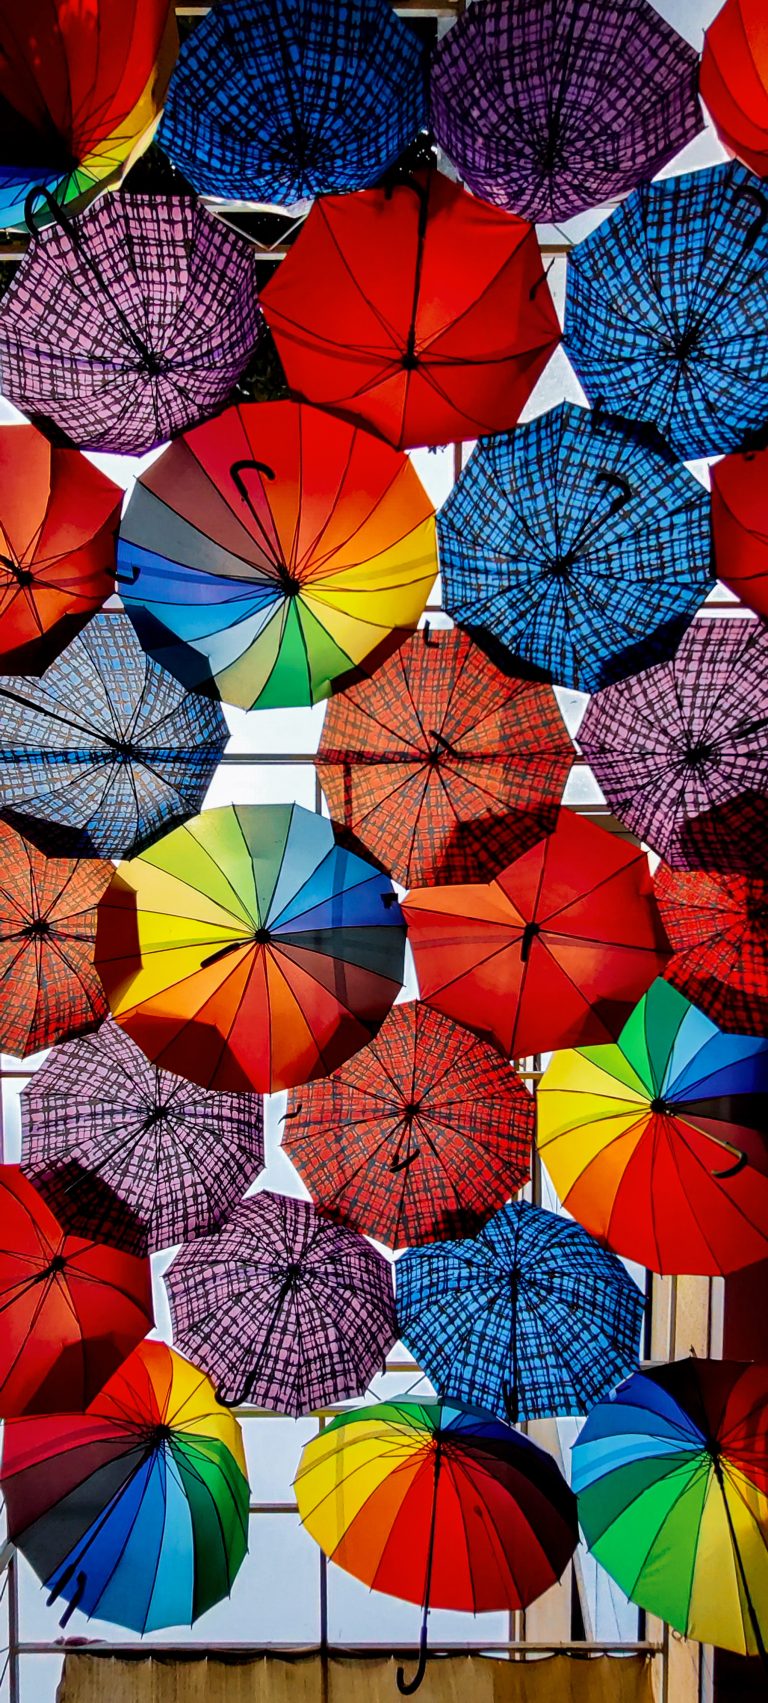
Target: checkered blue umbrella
[575,546]
[529,1318]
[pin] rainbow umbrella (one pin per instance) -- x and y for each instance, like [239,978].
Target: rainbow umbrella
[247,950]
[672,1481]
[136,1510]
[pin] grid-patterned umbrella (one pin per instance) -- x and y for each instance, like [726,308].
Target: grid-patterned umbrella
[49,986]
[529,1318]
[106,750]
[282,1307]
[130,1154]
[718,930]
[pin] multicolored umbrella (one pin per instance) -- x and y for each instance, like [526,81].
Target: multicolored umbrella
[441,765]
[129,323]
[128,1153]
[248,950]
[58,522]
[70,1310]
[718,929]
[574,547]
[740,526]
[665,313]
[268,553]
[276,103]
[106,750]
[529,1318]
[81,90]
[438,1504]
[734,81]
[553,108]
[673,1497]
[657,1144]
[416,309]
[421,1135]
[137,1510]
[48,981]
[558,948]
[684,739]
[283,1308]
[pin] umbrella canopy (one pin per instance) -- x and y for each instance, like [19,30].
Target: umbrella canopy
[574,547]
[248,950]
[129,323]
[416,309]
[657,1144]
[553,108]
[137,1510]
[673,1497]
[58,521]
[106,750]
[269,552]
[283,1308]
[420,1136]
[441,765]
[718,929]
[49,983]
[734,81]
[70,1310]
[81,90]
[128,1153]
[665,314]
[684,739]
[276,103]
[740,526]
[556,949]
[437,1504]
[528,1318]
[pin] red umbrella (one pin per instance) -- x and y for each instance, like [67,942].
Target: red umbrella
[70,1309]
[740,525]
[553,953]
[733,80]
[718,929]
[415,308]
[50,989]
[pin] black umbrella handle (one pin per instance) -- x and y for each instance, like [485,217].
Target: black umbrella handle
[129,577]
[59,218]
[406,1687]
[55,209]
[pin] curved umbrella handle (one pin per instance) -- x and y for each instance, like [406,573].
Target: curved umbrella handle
[406,1687]
[759,222]
[236,471]
[129,577]
[625,492]
[733,1170]
[57,213]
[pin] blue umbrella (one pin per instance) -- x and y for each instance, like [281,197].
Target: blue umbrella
[666,316]
[295,98]
[529,1318]
[576,547]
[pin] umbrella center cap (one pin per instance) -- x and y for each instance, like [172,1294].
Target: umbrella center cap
[659,1106]
[262,936]
[410,1109]
[152,365]
[293,1276]
[289,584]
[37,929]
[560,567]
[409,361]
[698,754]
[686,342]
[160,1434]
[57,1264]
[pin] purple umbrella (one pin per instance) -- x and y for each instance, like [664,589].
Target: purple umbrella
[129,323]
[283,1308]
[673,746]
[552,107]
[131,1155]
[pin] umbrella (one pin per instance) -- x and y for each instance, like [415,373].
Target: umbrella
[416,309]
[437,1504]
[128,1153]
[553,108]
[665,314]
[70,1310]
[277,103]
[556,949]
[673,1497]
[106,750]
[58,520]
[685,738]
[49,983]
[283,1308]
[137,1510]
[81,89]
[573,547]
[529,1318]
[657,1143]
[266,554]
[249,950]
[740,526]
[129,323]
[734,81]
[442,766]
[718,929]
[420,1136]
